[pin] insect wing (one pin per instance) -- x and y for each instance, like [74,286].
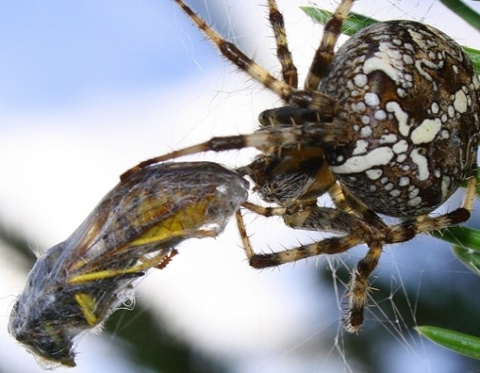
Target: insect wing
[153,210]
[78,283]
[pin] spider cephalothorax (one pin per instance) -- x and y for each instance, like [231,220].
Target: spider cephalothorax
[388,124]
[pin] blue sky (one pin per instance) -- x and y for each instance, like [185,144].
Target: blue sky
[56,52]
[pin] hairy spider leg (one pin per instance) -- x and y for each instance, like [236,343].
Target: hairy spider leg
[357,230]
[238,58]
[315,134]
[325,52]
[302,98]
[289,70]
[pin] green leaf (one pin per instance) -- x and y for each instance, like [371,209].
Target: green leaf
[355,22]
[463,11]
[469,257]
[474,55]
[461,236]
[459,342]
[466,245]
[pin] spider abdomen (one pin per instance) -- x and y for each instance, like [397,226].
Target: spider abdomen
[411,97]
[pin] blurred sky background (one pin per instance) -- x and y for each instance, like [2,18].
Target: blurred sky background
[89,88]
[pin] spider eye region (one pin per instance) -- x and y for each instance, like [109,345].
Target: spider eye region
[410,96]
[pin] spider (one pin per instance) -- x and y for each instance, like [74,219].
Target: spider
[386,125]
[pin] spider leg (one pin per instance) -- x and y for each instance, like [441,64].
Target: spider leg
[359,286]
[324,54]
[471,194]
[247,246]
[289,71]
[314,134]
[238,58]
[406,230]
[327,219]
[338,197]
[302,98]
[317,218]
[266,211]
